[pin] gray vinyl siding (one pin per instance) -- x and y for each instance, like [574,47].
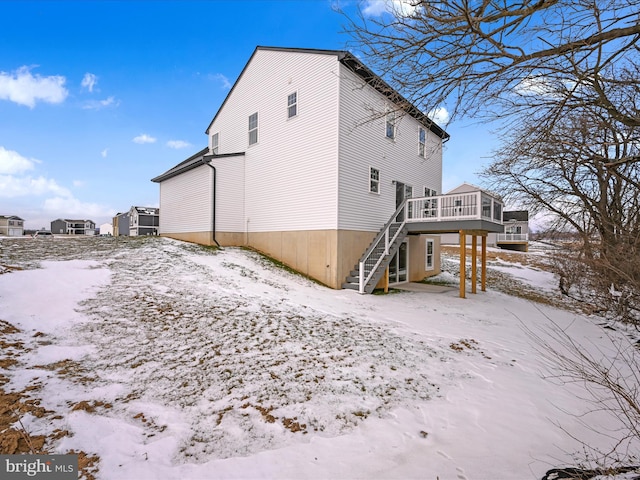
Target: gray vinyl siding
[363,144]
[291,172]
[185,202]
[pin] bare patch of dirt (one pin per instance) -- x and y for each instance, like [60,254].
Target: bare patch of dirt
[14,405]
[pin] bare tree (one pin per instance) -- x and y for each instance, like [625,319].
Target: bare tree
[577,167]
[497,58]
[609,375]
[566,75]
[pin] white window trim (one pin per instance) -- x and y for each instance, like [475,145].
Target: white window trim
[289,117]
[255,129]
[215,146]
[428,267]
[372,180]
[394,123]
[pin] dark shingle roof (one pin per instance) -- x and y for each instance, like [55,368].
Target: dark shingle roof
[517,215]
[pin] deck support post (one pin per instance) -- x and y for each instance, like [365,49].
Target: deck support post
[483,284]
[386,280]
[463,262]
[474,259]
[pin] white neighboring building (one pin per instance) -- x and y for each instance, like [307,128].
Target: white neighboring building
[106,229]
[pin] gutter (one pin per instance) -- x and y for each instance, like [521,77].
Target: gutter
[206,160]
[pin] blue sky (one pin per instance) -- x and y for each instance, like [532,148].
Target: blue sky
[97,98]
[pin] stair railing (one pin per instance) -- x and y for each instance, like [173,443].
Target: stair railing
[383,235]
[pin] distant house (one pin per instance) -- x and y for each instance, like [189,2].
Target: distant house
[144,221]
[73,227]
[316,161]
[514,237]
[106,229]
[121,224]
[11,226]
[516,231]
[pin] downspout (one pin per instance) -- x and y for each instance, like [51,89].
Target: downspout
[206,159]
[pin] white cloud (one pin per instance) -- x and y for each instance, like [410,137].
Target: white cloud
[536,86]
[89,81]
[177,144]
[226,84]
[98,104]
[404,8]
[12,162]
[104,153]
[12,186]
[69,206]
[79,183]
[144,138]
[439,115]
[24,88]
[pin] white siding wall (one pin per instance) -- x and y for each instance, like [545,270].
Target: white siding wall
[363,144]
[292,187]
[185,202]
[230,194]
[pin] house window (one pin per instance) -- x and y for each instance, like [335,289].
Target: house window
[422,138]
[214,143]
[374,180]
[428,263]
[391,125]
[253,128]
[429,193]
[292,105]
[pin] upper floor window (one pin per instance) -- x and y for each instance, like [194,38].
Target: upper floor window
[391,125]
[214,143]
[374,180]
[429,193]
[292,105]
[253,128]
[422,139]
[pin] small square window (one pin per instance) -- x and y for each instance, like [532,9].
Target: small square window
[374,180]
[292,105]
[253,128]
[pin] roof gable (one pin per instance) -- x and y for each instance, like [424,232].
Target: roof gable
[357,67]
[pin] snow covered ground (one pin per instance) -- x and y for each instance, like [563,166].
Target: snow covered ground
[167,360]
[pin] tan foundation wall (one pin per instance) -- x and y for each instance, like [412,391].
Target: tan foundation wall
[315,252]
[311,252]
[418,256]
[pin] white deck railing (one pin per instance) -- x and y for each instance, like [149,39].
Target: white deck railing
[512,237]
[463,206]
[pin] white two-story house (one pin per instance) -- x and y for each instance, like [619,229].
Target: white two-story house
[309,157]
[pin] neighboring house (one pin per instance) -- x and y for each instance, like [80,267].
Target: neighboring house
[516,231]
[121,224]
[313,160]
[106,229]
[514,237]
[11,226]
[144,221]
[73,227]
